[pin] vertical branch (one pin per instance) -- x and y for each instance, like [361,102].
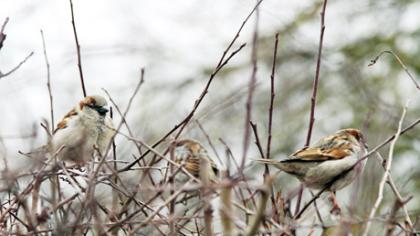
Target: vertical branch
[270,110]
[270,124]
[115,179]
[315,83]
[314,92]
[207,209]
[172,187]
[259,216]
[226,210]
[48,82]
[251,88]
[385,176]
[401,202]
[386,173]
[79,59]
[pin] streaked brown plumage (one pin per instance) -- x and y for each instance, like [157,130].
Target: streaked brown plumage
[317,165]
[190,153]
[80,131]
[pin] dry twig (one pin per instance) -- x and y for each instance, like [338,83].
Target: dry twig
[79,58]
[386,173]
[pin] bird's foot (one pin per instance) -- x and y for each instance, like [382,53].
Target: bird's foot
[335,210]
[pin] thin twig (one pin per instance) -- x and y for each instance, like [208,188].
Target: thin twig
[189,116]
[314,90]
[318,213]
[79,59]
[115,179]
[172,185]
[398,195]
[257,139]
[271,108]
[270,125]
[16,67]
[210,142]
[226,211]
[205,195]
[315,83]
[2,34]
[251,88]
[386,173]
[238,33]
[259,216]
[47,64]
[373,61]
[222,62]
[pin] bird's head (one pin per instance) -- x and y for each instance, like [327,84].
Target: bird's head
[94,105]
[354,135]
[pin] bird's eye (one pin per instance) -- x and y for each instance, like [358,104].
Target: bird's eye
[101,110]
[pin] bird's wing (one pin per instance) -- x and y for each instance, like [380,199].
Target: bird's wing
[70,132]
[64,123]
[193,165]
[328,148]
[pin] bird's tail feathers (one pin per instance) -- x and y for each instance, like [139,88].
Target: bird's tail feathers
[284,165]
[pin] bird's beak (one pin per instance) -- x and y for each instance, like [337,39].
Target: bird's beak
[101,110]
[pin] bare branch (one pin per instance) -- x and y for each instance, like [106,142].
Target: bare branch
[259,216]
[400,202]
[315,83]
[251,87]
[2,34]
[79,59]
[48,82]
[373,61]
[386,173]
[16,67]
[183,123]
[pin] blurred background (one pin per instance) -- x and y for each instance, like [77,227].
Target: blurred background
[179,44]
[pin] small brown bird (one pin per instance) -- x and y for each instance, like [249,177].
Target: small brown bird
[85,127]
[327,159]
[190,153]
[82,130]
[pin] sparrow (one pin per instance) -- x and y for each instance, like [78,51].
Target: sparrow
[190,153]
[193,157]
[325,161]
[84,129]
